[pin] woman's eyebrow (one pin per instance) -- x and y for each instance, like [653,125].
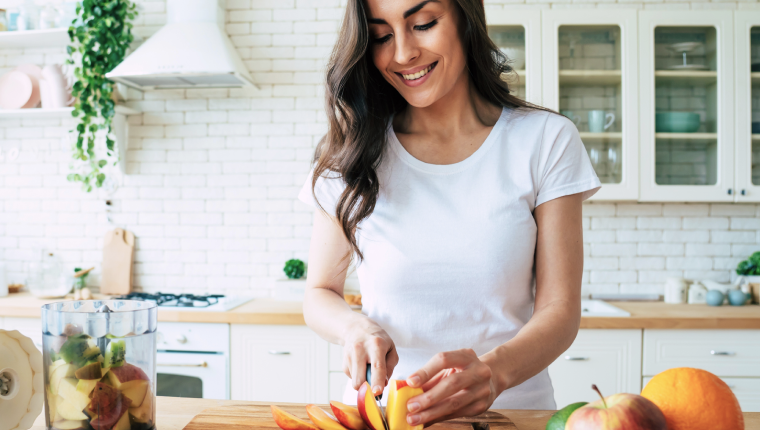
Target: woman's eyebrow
[411,11]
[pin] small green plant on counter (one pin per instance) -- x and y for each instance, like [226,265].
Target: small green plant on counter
[750,266]
[100,38]
[294,268]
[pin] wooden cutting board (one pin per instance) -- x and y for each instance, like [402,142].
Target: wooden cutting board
[247,417]
[118,247]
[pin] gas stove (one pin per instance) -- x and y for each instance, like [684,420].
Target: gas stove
[190,302]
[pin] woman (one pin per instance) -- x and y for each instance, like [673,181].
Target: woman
[461,205]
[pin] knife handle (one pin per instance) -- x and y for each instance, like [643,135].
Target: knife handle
[369,380]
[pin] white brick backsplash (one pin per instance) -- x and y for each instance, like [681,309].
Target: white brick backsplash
[213,174]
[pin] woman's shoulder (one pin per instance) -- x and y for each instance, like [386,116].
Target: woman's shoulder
[540,120]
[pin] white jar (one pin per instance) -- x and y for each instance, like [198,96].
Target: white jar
[675,290]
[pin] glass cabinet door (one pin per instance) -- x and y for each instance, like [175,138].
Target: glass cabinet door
[590,77]
[747,72]
[517,34]
[686,110]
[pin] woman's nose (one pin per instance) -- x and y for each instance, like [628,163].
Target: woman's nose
[406,49]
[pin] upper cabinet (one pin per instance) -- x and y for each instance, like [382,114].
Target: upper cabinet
[518,34]
[590,76]
[747,75]
[687,121]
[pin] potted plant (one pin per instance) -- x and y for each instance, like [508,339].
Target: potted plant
[294,286]
[749,269]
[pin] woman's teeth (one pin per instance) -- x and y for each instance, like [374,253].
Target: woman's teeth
[419,74]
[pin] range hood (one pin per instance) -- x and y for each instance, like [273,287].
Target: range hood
[191,51]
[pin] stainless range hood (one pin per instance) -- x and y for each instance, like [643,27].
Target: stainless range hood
[191,51]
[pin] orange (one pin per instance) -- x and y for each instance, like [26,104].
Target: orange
[694,399]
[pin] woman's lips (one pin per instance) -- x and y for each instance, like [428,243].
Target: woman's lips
[417,78]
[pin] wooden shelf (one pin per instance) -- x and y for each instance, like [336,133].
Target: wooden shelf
[686,77]
[687,136]
[588,136]
[54,37]
[52,113]
[596,78]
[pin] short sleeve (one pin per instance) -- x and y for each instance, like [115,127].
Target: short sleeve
[563,166]
[328,189]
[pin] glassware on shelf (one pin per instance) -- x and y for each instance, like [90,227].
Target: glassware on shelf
[99,361]
[595,155]
[683,48]
[613,161]
[48,17]
[600,121]
[3,21]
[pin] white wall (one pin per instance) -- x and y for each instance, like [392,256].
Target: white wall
[213,174]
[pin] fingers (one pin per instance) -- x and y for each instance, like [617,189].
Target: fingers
[443,393]
[357,362]
[377,353]
[427,386]
[439,362]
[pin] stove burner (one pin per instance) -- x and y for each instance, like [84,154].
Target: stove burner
[176,300]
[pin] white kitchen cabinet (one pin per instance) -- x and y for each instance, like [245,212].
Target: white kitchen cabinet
[338,381]
[747,143]
[278,363]
[729,353]
[609,358]
[746,390]
[686,68]
[518,34]
[590,76]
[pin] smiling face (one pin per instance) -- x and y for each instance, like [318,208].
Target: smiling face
[417,48]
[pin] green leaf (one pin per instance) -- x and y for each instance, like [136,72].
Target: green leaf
[102,163]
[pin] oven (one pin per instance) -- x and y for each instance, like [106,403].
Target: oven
[193,360]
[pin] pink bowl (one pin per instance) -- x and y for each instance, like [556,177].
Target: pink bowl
[15,90]
[35,73]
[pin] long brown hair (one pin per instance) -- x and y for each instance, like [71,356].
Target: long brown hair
[359,103]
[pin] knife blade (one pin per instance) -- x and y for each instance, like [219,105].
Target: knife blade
[377,398]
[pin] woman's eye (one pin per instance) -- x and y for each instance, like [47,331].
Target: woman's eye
[427,26]
[381,40]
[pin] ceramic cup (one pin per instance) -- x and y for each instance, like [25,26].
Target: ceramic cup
[572,117]
[599,121]
[675,290]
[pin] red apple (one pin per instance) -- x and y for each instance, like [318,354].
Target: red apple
[617,412]
[368,408]
[125,373]
[109,404]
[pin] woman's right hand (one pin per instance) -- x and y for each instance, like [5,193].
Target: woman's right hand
[368,343]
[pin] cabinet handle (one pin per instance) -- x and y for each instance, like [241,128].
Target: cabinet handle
[744,192]
[730,191]
[275,352]
[571,358]
[714,352]
[204,364]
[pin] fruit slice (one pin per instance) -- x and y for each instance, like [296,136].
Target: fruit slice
[72,351]
[54,365]
[68,391]
[348,416]
[89,371]
[288,421]
[115,353]
[398,396]
[70,412]
[85,386]
[69,425]
[135,390]
[64,371]
[368,409]
[321,419]
[125,373]
[123,423]
[109,404]
[144,413]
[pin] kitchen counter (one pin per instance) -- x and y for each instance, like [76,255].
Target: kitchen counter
[650,315]
[174,413]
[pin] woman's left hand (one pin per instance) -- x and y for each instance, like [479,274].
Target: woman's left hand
[456,384]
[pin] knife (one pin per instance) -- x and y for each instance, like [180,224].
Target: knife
[377,398]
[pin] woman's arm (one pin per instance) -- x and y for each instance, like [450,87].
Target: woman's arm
[458,383]
[328,314]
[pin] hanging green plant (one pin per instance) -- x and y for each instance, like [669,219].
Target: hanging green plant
[100,38]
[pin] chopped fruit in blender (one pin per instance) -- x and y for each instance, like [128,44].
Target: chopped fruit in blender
[398,396]
[128,372]
[90,371]
[135,390]
[69,425]
[288,421]
[321,419]
[69,411]
[144,413]
[65,371]
[68,391]
[115,352]
[55,365]
[72,351]
[347,415]
[87,385]
[123,423]
[109,404]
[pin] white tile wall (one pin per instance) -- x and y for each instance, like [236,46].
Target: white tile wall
[213,174]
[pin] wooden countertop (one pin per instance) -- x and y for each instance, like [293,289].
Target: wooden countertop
[268,311]
[175,413]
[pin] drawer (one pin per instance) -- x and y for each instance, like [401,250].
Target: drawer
[336,358]
[610,359]
[747,391]
[338,381]
[722,352]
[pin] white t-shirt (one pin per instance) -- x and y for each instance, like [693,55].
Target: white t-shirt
[449,249]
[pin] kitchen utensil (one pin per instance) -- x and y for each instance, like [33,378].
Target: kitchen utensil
[683,48]
[54,88]
[755,292]
[118,246]
[599,121]
[79,339]
[21,388]
[15,90]
[259,417]
[697,294]
[676,122]
[715,298]
[515,55]
[737,298]
[368,377]
[35,74]
[675,290]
